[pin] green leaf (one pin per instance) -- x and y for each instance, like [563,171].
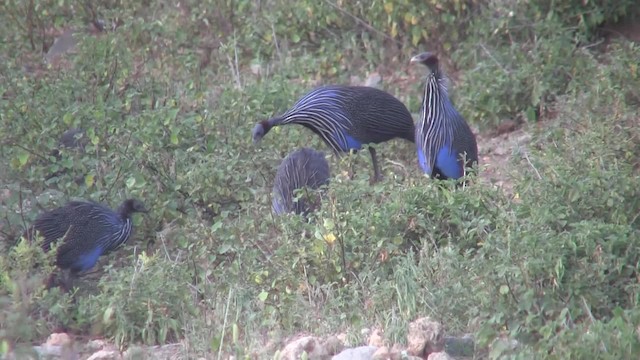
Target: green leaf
[504,290]
[23,157]
[67,118]
[263,296]
[130,182]
[108,313]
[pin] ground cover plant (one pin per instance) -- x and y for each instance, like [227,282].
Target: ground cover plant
[541,247]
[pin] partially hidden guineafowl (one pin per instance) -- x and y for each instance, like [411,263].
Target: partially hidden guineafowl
[303,168]
[74,139]
[443,137]
[87,230]
[346,118]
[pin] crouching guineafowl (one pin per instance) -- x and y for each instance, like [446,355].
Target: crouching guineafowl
[302,168]
[443,137]
[87,230]
[346,118]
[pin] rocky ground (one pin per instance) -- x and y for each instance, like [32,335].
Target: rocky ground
[425,340]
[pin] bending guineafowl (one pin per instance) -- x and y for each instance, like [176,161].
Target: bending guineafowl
[346,118]
[443,137]
[87,229]
[302,168]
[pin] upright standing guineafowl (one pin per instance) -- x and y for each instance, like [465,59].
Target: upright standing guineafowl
[443,137]
[346,118]
[302,168]
[87,231]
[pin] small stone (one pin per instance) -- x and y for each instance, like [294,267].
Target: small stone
[135,352]
[359,353]
[355,80]
[58,339]
[424,337]
[105,355]
[384,353]
[46,351]
[256,69]
[439,356]
[376,339]
[309,344]
[344,338]
[333,345]
[373,80]
[62,44]
[95,345]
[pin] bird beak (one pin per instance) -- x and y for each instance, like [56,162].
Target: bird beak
[416,58]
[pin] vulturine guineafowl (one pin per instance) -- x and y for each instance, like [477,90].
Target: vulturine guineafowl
[74,139]
[346,118]
[302,168]
[443,137]
[87,230]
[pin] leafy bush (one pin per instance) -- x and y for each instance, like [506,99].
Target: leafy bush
[148,305]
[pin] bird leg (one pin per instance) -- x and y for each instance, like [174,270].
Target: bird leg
[376,170]
[66,280]
[350,158]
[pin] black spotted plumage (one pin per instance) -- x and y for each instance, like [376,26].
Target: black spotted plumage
[303,168]
[87,230]
[346,118]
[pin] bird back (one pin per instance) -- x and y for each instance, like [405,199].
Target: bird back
[347,117]
[302,168]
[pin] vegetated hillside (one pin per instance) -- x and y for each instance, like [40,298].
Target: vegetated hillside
[543,248]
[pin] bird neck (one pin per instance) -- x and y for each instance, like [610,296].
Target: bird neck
[436,82]
[274,121]
[125,212]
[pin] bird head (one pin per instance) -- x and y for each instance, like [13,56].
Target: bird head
[131,206]
[260,130]
[428,59]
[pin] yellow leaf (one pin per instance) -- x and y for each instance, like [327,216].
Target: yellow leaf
[89,180]
[394,30]
[388,7]
[330,238]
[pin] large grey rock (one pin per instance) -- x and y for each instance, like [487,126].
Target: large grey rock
[359,353]
[463,346]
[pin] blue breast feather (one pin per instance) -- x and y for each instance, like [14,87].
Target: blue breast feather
[351,143]
[87,260]
[446,162]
